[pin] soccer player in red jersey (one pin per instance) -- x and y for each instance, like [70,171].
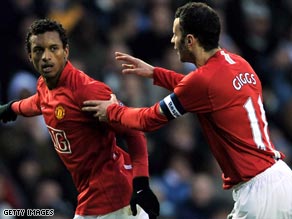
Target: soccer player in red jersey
[226,95]
[106,177]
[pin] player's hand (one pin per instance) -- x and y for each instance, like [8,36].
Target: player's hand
[99,107]
[143,196]
[6,113]
[134,65]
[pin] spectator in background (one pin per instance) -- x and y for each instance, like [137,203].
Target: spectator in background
[66,11]
[280,67]
[49,195]
[156,35]
[202,202]
[87,47]
[255,19]
[10,196]
[23,85]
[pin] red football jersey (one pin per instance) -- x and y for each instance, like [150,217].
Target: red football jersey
[100,170]
[226,95]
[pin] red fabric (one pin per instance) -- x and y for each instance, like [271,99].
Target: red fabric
[226,95]
[86,146]
[146,119]
[161,78]
[219,93]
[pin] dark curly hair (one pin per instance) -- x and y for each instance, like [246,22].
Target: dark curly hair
[44,25]
[201,21]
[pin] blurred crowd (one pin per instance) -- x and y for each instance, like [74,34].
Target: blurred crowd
[184,174]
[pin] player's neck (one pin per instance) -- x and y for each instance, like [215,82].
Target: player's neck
[52,82]
[204,56]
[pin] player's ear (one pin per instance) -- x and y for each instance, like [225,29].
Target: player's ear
[29,57]
[66,52]
[190,39]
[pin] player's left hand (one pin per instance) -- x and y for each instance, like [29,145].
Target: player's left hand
[143,196]
[99,107]
[6,113]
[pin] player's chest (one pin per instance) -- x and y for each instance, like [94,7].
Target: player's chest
[59,107]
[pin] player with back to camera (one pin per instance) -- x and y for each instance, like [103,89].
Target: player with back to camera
[106,177]
[226,95]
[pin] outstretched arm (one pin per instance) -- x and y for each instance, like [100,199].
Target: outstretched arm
[26,107]
[144,119]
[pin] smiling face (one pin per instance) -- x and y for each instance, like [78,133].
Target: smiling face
[48,56]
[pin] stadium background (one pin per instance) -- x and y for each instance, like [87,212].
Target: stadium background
[184,175]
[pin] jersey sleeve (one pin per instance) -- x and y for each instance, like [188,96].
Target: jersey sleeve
[27,107]
[94,90]
[190,95]
[137,148]
[194,94]
[144,119]
[135,140]
[166,78]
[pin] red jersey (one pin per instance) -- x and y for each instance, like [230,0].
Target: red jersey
[226,95]
[100,170]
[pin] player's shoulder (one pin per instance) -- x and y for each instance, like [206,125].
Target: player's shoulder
[80,80]
[88,87]
[231,58]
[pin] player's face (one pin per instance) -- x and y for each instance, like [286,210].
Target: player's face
[48,55]
[180,43]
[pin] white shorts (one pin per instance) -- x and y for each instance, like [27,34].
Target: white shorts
[123,213]
[266,196]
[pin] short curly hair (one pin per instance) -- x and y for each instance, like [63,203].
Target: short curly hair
[44,25]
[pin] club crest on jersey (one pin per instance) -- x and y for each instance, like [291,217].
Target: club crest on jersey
[59,112]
